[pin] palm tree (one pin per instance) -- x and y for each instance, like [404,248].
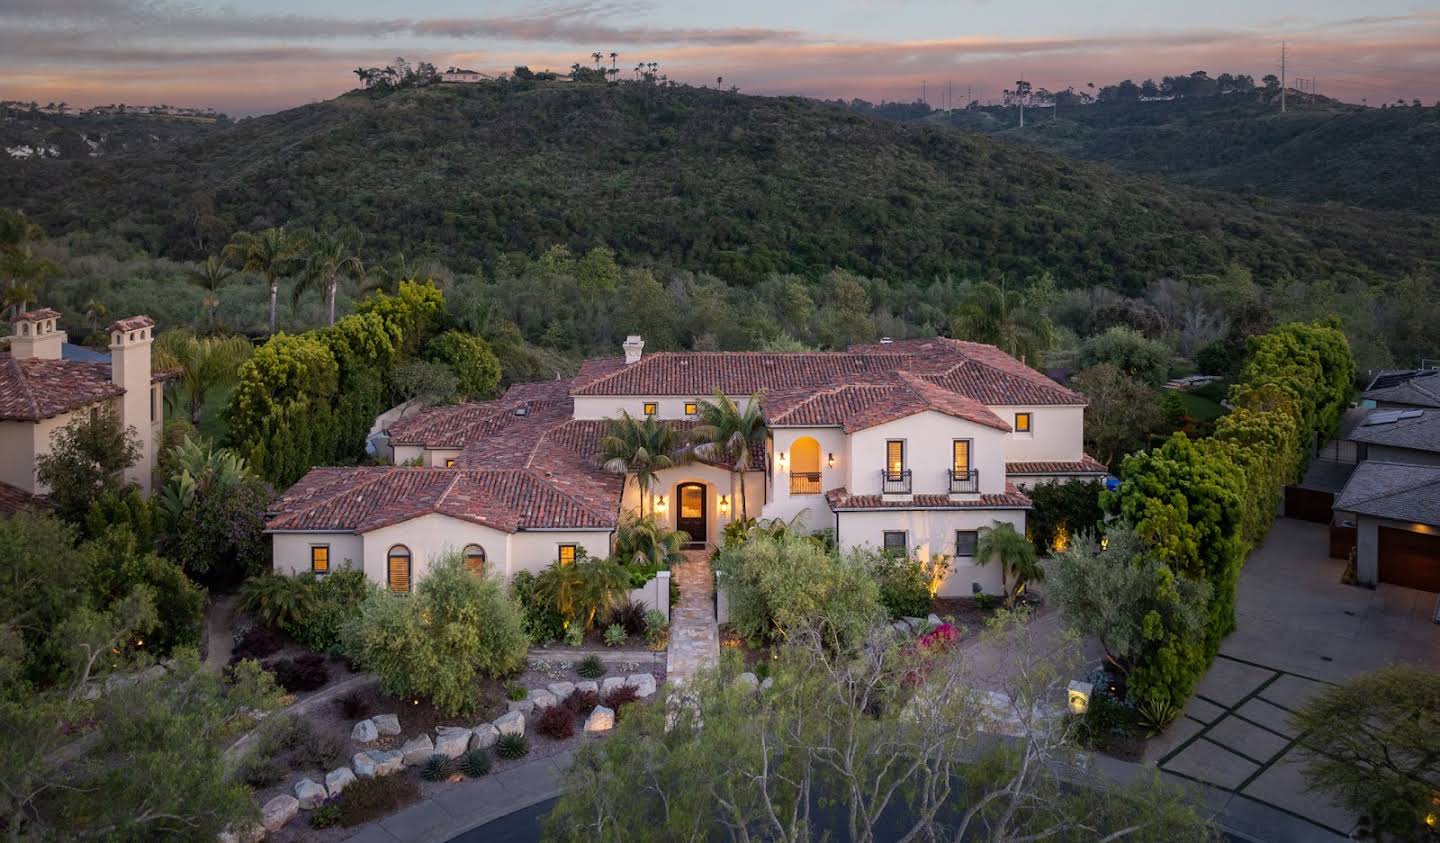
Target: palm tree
[640,448]
[1005,318]
[271,253]
[211,274]
[1002,543]
[205,363]
[23,272]
[95,313]
[727,433]
[329,256]
[642,540]
[386,277]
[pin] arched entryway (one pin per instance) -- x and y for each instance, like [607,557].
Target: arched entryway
[805,466]
[692,512]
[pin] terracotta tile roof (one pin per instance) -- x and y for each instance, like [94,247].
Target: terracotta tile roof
[14,499]
[974,370]
[857,406]
[133,323]
[33,389]
[457,425]
[841,500]
[1088,465]
[35,315]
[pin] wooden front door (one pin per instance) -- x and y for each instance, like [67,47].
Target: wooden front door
[690,512]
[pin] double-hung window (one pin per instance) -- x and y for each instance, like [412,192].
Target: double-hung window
[965,541]
[894,458]
[566,554]
[320,558]
[960,457]
[897,543]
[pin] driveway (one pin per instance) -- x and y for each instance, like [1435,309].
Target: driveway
[1298,631]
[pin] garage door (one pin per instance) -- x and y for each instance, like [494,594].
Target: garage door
[1410,559]
[1309,504]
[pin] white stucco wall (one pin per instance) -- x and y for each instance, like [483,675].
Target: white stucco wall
[717,481]
[292,551]
[670,406]
[832,440]
[928,441]
[931,532]
[535,550]
[433,458]
[429,537]
[1056,433]
[17,454]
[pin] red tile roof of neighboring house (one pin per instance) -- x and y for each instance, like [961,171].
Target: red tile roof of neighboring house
[457,425]
[841,500]
[34,389]
[1088,465]
[14,499]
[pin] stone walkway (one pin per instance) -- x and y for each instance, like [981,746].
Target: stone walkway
[694,635]
[220,631]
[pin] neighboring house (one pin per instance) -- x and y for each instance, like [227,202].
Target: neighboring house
[457,75]
[910,446]
[1402,436]
[1406,389]
[1395,508]
[42,392]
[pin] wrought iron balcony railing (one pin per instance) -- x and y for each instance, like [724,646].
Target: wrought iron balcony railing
[964,482]
[804,482]
[895,482]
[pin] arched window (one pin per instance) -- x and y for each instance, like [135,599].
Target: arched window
[805,466]
[397,567]
[475,559]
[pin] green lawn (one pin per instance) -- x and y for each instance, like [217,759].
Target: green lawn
[212,421]
[1200,408]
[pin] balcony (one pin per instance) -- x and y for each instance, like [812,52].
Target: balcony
[804,482]
[964,482]
[895,482]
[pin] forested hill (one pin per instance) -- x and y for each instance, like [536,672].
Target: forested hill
[1328,152]
[694,178]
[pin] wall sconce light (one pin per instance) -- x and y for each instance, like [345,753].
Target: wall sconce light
[660,505]
[724,504]
[1077,696]
[831,461]
[783,460]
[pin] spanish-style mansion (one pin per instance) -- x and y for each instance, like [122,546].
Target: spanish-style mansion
[911,445]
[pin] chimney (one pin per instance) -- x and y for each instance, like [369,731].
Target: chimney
[633,347]
[130,368]
[34,335]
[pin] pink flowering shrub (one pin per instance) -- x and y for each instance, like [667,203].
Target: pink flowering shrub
[939,639]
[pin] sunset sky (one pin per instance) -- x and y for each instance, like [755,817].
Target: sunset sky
[256,56]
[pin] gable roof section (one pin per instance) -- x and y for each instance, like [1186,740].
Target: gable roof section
[456,425]
[1418,433]
[34,389]
[14,499]
[1399,491]
[1420,388]
[858,406]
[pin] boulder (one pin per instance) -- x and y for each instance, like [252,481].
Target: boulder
[933,620]
[338,780]
[417,750]
[601,719]
[387,762]
[765,686]
[561,690]
[364,765]
[748,681]
[484,736]
[644,684]
[588,685]
[525,706]
[916,624]
[452,741]
[279,811]
[610,684]
[542,698]
[901,628]
[510,724]
[387,724]
[310,794]
[364,732]
[252,833]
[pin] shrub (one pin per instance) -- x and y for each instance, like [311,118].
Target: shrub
[516,693]
[657,628]
[366,799]
[337,598]
[470,358]
[591,667]
[353,706]
[1144,360]
[280,733]
[582,701]
[627,614]
[437,768]
[306,672]
[511,747]
[475,763]
[260,770]
[557,722]
[257,643]
[574,635]
[320,751]
[434,644]
[326,814]
[615,635]
[1062,512]
[621,696]
[280,602]
[541,623]
[579,591]
[903,581]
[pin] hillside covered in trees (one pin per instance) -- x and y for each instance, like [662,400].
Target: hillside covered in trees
[687,178]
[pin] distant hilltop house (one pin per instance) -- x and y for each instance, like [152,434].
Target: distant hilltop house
[45,384]
[911,446]
[457,75]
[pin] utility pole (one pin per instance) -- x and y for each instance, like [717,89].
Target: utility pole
[1282,77]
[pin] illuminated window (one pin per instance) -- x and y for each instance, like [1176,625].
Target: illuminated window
[567,554]
[897,542]
[320,558]
[960,459]
[691,408]
[450,462]
[1022,422]
[475,559]
[397,565]
[965,541]
[894,457]
[651,408]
